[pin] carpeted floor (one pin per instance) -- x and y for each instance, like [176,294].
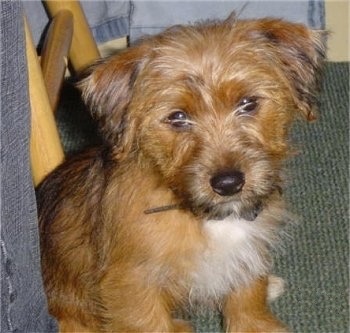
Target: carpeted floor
[315,258]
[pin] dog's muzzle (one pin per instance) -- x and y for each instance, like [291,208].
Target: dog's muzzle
[227,183]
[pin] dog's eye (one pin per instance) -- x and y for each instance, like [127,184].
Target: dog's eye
[247,105]
[179,120]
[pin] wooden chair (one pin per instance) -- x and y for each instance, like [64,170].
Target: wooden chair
[68,38]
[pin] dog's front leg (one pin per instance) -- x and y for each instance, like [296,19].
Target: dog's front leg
[134,309]
[149,318]
[246,310]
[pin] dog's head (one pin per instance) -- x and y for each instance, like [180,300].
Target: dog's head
[208,107]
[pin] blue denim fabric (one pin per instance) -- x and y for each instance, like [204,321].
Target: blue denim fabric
[108,20]
[23,302]
[118,18]
[150,17]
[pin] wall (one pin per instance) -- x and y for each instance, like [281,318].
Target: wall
[337,21]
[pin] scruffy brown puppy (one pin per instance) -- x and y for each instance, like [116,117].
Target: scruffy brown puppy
[182,204]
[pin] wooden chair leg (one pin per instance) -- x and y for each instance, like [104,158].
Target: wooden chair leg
[54,54]
[84,50]
[45,147]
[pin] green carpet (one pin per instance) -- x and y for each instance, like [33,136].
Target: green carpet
[315,258]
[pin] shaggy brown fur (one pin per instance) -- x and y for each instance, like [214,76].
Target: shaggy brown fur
[182,203]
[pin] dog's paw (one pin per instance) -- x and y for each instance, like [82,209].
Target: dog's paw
[275,287]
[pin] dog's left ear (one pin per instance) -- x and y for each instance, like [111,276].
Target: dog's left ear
[301,54]
[107,90]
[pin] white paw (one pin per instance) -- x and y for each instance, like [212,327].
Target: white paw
[275,287]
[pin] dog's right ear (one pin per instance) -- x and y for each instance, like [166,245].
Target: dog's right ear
[107,90]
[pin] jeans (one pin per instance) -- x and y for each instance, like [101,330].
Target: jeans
[23,302]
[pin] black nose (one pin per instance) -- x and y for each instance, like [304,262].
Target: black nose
[227,182]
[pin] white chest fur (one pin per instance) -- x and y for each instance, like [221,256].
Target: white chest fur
[236,253]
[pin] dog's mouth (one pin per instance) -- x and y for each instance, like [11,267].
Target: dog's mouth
[247,212]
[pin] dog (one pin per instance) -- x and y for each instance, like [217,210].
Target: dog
[182,203]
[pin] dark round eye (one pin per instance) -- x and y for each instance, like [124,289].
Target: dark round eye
[179,120]
[248,105]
